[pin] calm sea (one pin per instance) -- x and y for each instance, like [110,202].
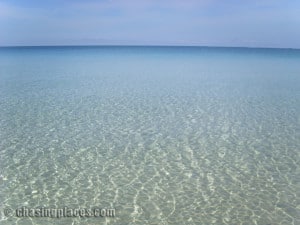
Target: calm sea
[162,135]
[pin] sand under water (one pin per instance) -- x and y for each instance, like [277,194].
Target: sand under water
[164,135]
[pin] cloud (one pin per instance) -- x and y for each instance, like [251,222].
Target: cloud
[8,11]
[151,21]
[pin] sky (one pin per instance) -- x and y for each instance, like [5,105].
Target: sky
[248,23]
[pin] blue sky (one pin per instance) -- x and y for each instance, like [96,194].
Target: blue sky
[251,23]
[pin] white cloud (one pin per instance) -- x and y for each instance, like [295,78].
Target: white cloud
[7,11]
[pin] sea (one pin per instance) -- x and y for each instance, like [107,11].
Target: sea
[149,135]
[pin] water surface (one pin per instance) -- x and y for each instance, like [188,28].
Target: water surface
[165,135]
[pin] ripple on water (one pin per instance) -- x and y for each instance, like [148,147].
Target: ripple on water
[200,148]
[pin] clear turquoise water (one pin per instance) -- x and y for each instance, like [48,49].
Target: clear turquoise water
[165,135]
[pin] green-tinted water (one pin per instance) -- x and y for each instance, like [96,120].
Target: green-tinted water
[163,135]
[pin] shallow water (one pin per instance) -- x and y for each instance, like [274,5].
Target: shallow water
[165,135]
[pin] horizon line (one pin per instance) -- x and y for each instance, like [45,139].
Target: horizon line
[141,45]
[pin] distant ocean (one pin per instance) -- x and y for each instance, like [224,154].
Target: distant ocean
[163,135]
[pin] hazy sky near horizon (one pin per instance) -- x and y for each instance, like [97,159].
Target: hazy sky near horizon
[252,23]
